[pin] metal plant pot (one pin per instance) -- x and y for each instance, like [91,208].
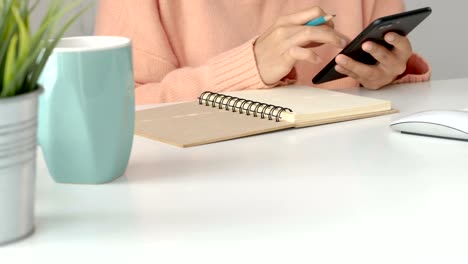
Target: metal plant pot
[18,126]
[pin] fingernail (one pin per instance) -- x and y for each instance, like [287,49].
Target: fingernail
[390,37]
[341,60]
[368,47]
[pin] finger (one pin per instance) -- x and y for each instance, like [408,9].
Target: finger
[373,85]
[346,72]
[303,54]
[402,45]
[385,57]
[319,34]
[363,71]
[282,33]
[344,39]
[302,17]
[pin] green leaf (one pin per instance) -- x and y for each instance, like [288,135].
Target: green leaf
[23,55]
[24,39]
[24,70]
[24,11]
[7,29]
[10,66]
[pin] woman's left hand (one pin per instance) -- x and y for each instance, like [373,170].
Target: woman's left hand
[390,64]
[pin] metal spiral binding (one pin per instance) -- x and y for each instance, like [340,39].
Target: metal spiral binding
[241,105]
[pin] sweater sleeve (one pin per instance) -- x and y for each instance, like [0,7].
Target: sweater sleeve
[158,75]
[417,68]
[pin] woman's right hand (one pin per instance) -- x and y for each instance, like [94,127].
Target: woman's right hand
[288,41]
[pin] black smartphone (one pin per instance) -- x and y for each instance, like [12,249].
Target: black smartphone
[402,23]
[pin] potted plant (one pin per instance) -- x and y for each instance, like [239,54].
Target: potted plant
[23,55]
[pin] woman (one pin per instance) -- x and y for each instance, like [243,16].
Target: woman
[184,47]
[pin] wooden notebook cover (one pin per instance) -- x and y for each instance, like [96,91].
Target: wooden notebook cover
[190,124]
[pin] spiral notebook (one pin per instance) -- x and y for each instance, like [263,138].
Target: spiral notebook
[217,117]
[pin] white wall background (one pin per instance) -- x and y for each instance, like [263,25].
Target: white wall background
[84,26]
[442,38]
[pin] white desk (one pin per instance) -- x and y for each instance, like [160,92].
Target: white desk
[352,192]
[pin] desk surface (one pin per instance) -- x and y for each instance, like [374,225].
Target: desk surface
[340,193]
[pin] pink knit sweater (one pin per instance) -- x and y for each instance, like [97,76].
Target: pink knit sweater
[184,47]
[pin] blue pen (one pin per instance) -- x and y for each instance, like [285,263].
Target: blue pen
[319,21]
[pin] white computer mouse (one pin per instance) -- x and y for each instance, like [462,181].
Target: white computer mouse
[452,124]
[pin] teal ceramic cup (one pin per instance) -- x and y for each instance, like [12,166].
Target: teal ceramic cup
[86,113]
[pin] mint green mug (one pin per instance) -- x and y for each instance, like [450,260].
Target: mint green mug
[86,113]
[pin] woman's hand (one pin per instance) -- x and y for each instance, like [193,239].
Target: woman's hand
[289,41]
[390,64]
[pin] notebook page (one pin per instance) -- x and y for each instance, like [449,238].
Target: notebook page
[310,105]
